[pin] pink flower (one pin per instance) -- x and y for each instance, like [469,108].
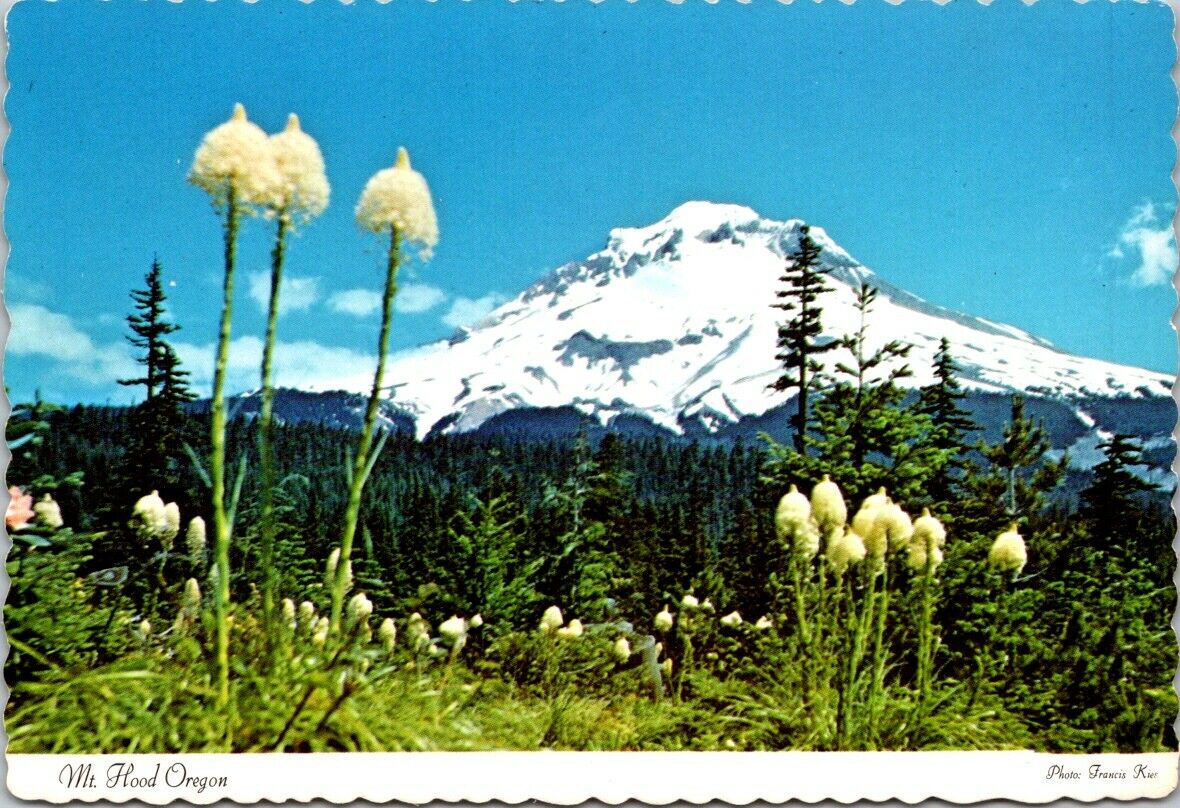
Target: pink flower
[20,509]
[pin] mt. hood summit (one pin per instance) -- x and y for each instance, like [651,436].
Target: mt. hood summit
[672,323]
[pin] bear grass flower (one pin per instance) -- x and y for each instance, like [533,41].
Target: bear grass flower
[621,650]
[454,631]
[731,620]
[288,612]
[360,608]
[690,602]
[48,513]
[306,614]
[303,190]
[917,555]
[572,631]
[194,539]
[1008,553]
[926,542]
[20,509]
[301,195]
[551,620]
[793,524]
[398,198]
[147,516]
[236,159]
[476,621]
[663,621]
[898,527]
[846,550]
[330,570]
[171,526]
[793,509]
[764,622]
[319,635]
[395,201]
[828,507]
[192,595]
[419,632]
[869,524]
[387,634]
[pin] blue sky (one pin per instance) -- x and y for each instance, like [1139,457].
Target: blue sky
[1009,161]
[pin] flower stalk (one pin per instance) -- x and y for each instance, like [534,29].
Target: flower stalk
[235,166]
[221,526]
[395,201]
[360,462]
[268,529]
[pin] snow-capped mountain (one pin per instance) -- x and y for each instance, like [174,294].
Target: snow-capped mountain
[671,323]
[669,329]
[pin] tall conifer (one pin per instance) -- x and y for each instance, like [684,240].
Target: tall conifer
[798,343]
[159,419]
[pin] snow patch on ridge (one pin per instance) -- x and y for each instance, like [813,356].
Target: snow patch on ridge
[672,322]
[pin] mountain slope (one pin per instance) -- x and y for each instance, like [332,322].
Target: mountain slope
[671,323]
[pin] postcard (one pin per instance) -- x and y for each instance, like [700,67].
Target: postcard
[621,401]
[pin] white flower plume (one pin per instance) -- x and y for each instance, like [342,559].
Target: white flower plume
[303,193]
[236,154]
[399,197]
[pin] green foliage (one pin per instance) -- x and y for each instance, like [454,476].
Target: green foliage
[57,616]
[1017,477]
[951,424]
[865,436]
[487,572]
[1075,655]
[160,424]
[799,337]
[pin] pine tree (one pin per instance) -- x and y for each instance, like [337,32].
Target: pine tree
[1112,505]
[1019,474]
[159,420]
[798,338]
[940,401]
[865,437]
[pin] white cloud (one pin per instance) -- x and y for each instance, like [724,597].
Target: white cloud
[1148,237]
[415,298]
[296,294]
[38,331]
[304,364]
[412,298]
[357,302]
[468,311]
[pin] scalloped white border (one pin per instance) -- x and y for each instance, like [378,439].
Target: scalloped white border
[566,778]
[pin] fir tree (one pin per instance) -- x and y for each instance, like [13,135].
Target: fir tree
[1112,505]
[798,338]
[940,401]
[865,437]
[159,419]
[1018,477]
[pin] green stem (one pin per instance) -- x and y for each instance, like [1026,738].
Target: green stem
[859,627]
[925,639]
[221,528]
[804,632]
[266,448]
[877,683]
[360,461]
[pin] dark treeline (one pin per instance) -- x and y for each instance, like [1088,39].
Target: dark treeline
[618,528]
